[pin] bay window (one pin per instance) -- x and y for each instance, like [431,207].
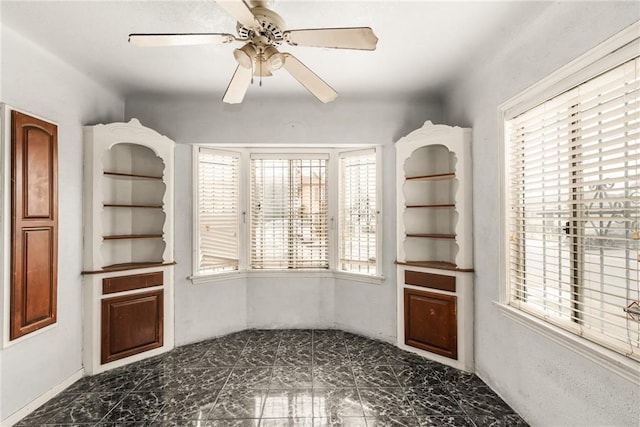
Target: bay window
[274,209]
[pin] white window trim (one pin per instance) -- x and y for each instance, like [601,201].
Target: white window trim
[610,53]
[245,152]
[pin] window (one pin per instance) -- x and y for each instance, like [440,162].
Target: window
[289,213]
[358,212]
[218,211]
[262,209]
[573,204]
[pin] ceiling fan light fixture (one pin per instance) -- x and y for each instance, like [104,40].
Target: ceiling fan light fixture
[274,58]
[246,55]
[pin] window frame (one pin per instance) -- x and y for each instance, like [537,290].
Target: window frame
[609,54]
[378,233]
[244,153]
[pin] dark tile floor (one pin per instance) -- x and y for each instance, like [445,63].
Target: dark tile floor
[279,378]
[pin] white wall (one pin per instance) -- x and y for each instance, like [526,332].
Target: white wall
[214,309]
[546,383]
[41,84]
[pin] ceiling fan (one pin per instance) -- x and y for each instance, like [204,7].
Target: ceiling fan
[262,31]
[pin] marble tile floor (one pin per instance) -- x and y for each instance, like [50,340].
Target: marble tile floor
[279,378]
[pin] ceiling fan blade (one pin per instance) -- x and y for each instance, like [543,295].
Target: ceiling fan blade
[238,85]
[152,40]
[360,38]
[240,11]
[307,78]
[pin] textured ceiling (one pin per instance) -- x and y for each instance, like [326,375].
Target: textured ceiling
[422,47]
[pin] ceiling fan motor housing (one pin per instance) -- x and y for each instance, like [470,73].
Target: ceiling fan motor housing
[272,26]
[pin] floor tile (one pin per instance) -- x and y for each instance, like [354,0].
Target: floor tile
[294,403]
[432,401]
[233,342]
[293,354]
[87,408]
[340,422]
[330,356]
[181,357]
[137,406]
[382,402]
[333,376]
[455,379]
[367,355]
[291,377]
[393,422]
[511,420]
[219,358]
[446,421]
[417,375]
[375,376]
[232,423]
[188,405]
[118,380]
[257,356]
[185,379]
[286,422]
[238,403]
[210,423]
[48,410]
[398,356]
[108,424]
[379,402]
[481,401]
[249,377]
[336,402]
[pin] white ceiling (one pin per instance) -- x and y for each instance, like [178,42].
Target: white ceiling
[423,45]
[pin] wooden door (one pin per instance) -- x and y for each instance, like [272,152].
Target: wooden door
[34,219]
[430,322]
[131,324]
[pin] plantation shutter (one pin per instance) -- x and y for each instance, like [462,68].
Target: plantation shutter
[218,210]
[574,204]
[289,212]
[358,212]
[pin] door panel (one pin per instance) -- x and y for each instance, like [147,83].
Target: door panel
[34,212]
[131,324]
[430,322]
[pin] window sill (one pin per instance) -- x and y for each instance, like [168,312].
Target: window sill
[614,362]
[245,274]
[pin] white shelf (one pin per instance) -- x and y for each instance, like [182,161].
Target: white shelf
[433,187]
[128,226]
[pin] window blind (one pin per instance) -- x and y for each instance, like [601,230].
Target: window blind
[218,211]
[358,212]
[574,202]
[288,212]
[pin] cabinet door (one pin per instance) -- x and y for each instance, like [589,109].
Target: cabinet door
[131,324]
[430,322]
[34,220]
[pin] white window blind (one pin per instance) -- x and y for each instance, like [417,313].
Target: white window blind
[574,202]
[218,211]
[289,212]
[358,212]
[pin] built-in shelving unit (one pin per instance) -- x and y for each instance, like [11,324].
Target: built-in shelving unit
[434,250]
[128,229]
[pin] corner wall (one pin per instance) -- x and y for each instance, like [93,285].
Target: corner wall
[40,84]
[546,383]
[209,310]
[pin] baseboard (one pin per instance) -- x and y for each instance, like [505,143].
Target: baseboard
[40,400]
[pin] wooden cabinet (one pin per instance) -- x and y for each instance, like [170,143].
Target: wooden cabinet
[128,244]
[131,324]
[430,322]
[435,244]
